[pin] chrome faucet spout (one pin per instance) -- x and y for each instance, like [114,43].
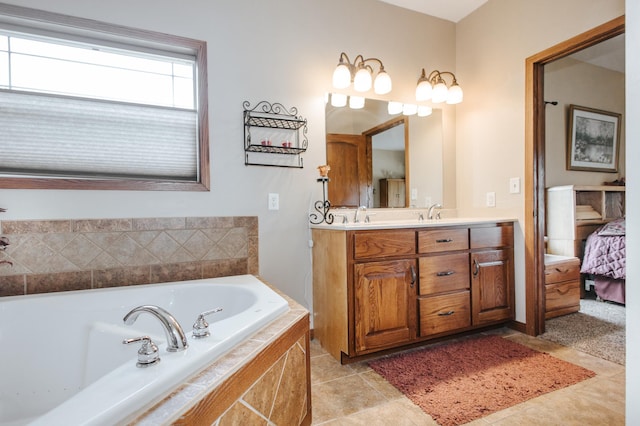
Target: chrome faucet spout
[176,339]
[356,218]
[430,213]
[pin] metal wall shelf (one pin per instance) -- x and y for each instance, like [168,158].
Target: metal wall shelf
[273,126]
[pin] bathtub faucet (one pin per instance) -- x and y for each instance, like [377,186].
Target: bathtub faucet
[176,339]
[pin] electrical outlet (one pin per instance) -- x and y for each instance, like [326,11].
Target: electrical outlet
[414,194]
[274,201]
[491,199]
[514,185]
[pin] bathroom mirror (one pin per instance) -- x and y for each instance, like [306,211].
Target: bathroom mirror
[400,164]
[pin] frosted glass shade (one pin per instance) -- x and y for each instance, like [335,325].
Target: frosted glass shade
[424,110]
[356,102]
[382,83]
[338,99]
[394,107]
[362,80]
[439,93]
[423,91]
[409,109]
[455,95]
[341,77]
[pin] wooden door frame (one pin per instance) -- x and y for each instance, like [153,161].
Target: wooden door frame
[368,134]
[535,167]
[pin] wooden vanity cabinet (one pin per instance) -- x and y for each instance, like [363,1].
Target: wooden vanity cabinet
[444,301]
[492,274]
[384,290]
[381,289]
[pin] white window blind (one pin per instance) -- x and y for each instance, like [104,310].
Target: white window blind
[99,104]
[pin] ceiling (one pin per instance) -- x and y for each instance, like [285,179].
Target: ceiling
[451,10]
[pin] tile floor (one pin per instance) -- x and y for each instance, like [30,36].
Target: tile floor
[355,395]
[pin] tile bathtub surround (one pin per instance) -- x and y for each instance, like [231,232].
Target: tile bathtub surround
[62,255]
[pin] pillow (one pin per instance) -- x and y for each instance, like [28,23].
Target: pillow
[613,228]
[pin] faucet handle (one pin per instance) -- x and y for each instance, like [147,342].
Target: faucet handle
[201,326]
[148,352]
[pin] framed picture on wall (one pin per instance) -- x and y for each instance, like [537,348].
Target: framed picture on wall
[593,143]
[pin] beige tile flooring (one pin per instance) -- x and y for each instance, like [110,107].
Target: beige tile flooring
[355,395]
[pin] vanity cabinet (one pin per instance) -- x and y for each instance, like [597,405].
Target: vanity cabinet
[381,289]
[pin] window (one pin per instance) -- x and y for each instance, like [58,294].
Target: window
[88,105]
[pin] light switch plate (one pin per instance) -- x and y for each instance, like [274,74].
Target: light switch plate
[274,201]
[514,185]
[491,199]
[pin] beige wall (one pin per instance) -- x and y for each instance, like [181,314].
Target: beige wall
[492,45]
[569,81]
[275,50]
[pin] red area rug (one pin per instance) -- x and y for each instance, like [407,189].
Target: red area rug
[458,382]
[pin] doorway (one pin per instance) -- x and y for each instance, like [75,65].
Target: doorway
[535,163]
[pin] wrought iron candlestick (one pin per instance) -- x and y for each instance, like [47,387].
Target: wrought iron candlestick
[322,206]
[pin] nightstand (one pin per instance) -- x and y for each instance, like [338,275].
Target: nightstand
[561,285]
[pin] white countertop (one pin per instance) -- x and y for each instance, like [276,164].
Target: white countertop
[408,223]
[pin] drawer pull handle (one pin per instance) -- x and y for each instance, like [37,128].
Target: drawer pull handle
[444,274]
[444,240]
[476,268]
[446,314]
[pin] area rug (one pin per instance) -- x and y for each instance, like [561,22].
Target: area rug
[459,382]
[598,329]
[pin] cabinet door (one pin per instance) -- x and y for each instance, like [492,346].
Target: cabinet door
[385,304]
[492,286]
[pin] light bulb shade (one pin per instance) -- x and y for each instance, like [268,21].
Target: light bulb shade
[356,102]
[382,83]
[341,77]
[409,109]
[338,99]
[423,91]
[424,110]
[362,80]
[439,94]
[394,107]
[455,95]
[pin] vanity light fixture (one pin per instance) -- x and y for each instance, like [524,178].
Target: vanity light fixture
[424,111]
[434,87]
[360,73]
[340,100]
[394,107]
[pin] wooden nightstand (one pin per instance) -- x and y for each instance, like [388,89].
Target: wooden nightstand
[561,284]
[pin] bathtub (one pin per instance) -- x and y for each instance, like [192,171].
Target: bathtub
[62,361]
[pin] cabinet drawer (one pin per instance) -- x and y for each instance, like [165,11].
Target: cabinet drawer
[563,295]
[444,273]
[384,243]
[439,240]
[444,313]
[564,271]
[496,236]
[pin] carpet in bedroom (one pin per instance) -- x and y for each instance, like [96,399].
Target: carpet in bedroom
[458,382]
[598,329]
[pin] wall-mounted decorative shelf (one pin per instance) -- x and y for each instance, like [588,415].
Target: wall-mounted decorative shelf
[271,131]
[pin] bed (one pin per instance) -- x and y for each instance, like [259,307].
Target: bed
[605,259]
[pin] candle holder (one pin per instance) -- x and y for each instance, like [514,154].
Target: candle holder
[322,206]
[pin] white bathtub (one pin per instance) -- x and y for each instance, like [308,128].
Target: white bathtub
[62,361]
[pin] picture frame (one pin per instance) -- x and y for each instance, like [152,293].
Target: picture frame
[593,142]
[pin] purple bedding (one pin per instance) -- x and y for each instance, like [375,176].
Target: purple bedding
[605,252]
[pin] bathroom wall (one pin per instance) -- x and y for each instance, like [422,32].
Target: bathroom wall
[275,50]
[62,255]
[492,45]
